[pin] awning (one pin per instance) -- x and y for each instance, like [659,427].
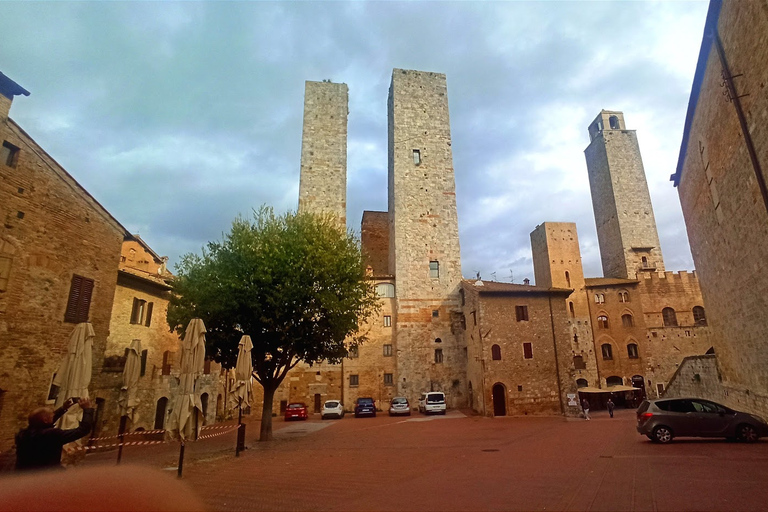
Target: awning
[611,389]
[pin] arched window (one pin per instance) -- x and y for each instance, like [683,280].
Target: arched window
[632,351]
[568,278]
[614,381]
[669,316]
[496,353]
[699,317]
[613,121]
[645,262]
[578,363]
[602,322]
[385,290]
[627,320]
[582,383]
[623,296]
[607,351]
[573,313]
[599,298]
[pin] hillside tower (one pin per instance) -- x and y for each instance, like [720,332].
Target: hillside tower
[424,236]
[323,181]
[626,227]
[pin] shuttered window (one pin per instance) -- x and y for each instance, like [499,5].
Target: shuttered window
[79,303]
[149,314]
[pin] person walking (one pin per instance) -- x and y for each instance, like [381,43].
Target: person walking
[610,405]
[39,445]
[585,406]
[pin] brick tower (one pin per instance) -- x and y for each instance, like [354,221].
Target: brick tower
[323,185]
[424,236]
[626,227]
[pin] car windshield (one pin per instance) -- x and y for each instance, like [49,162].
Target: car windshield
[432,399]
[295,406]
[365,401]
[331,405]
[399,401]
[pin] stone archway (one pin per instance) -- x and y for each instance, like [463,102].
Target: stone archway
[499,394]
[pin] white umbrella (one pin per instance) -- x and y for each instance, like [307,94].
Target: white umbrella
[242,387]
[182,422]
[74,373]
[128,401]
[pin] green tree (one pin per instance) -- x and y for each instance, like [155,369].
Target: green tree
[295,283]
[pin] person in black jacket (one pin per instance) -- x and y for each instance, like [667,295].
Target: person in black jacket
[39,445]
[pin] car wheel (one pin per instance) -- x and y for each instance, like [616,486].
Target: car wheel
[746,433]
[662,434]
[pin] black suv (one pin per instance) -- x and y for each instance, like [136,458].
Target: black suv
[365,406]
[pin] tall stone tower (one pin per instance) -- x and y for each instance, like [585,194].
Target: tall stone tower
[323,182]
[557,264]
[626,227]
[424,236]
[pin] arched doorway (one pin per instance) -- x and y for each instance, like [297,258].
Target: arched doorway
[162,407]
[638,382]
[499,394]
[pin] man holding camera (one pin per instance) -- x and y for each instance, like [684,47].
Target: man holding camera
[39,445]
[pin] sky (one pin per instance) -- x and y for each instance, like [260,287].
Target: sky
[178,116]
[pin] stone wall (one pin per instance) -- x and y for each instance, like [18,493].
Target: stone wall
[323,185]
[52,229]
[724,210]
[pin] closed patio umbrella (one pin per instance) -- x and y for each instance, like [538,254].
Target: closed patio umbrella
[182,420]
[128,401]
[74,373]
[242,387]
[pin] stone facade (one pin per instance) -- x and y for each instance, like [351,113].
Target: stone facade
[323,185]
[54,237]
[721,178]
[626,227]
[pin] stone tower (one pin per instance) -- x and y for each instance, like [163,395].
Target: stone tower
[323,182]
[557,264]
[626,227]
[424,236]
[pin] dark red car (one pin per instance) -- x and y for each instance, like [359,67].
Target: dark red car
[296,411]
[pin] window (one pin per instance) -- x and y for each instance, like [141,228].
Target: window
[148,320]
[627,320]
[669,317]
[385,290]
[416,157]
[461,296]
[602,322]
[388,379]
[9,154]
[521,312]
[434,269]
[388,350]
[659,389]
[614,381]
[144,362]
[79,302]
[607,351]
[573,312]
[645,262]
[699,317]
[353,352]
[632,351]
[496,353]
[578,363]
[167,362]
[354,380]
[438,355]
[568,278]
[582,383]
[435,313]
[387,321]
[599,298]
[527,351]
[613,121]
[463,322]
[137,313]
[438,340]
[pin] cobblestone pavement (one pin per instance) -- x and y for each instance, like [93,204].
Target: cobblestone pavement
[459,462]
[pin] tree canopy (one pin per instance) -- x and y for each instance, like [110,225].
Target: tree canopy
[295,283]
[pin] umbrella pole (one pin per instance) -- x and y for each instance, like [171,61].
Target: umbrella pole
[181,459]
[121,437]
[240,428]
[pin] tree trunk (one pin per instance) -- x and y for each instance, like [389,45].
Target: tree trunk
[266,414]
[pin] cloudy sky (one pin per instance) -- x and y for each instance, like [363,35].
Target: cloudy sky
[150,104]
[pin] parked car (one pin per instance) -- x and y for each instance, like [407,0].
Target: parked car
[399,405]
[332,409]
[365,406]
[296,411]
[664,419]
[432,402]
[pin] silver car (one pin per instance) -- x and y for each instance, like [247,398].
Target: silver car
[399,405]
[663,419]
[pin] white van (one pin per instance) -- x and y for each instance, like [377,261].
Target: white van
[432,402]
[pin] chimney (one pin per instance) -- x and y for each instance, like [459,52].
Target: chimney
[8,89]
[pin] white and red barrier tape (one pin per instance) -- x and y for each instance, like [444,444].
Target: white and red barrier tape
[146,432]
[229,428]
